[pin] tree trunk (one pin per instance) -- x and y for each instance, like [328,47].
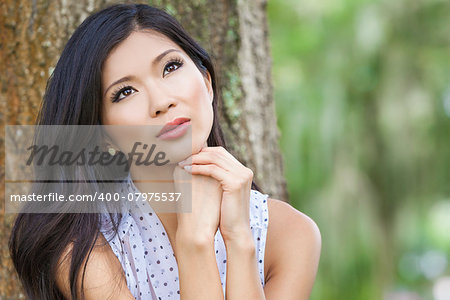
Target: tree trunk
[33,34]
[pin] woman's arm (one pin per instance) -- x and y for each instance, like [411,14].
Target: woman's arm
[292,253]
[235,179]
[197,266]
[104,278]
[199,277]
[243,280]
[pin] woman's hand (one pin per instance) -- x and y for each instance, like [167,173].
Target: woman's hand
[200,225]
[199,276]
[235,180]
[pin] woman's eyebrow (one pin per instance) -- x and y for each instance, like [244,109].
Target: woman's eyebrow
[130,77]
[159,57]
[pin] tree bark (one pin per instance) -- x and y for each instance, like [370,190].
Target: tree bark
[33,34]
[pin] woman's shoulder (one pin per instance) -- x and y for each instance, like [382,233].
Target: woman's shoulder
[103,276]
[285,213]
[286,222]
[293,241]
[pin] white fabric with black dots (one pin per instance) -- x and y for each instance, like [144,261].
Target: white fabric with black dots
[144,250]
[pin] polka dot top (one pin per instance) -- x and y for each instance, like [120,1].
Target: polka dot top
[146,255]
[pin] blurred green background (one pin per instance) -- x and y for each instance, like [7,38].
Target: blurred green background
[362,91]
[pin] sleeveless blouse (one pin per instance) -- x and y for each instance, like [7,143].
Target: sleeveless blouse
[147,257]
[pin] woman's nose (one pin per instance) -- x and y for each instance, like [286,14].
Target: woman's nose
[164,109]
[160,101]
[161,107]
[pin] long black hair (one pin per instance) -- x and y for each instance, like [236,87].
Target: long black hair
[73,96]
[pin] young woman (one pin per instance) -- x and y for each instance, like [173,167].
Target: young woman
[135,65]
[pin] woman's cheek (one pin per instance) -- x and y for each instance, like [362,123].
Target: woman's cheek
[130,113]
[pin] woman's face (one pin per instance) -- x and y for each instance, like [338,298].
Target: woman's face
[150,80]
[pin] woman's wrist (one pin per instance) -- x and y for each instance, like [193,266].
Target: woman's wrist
[193,239]
[241,240]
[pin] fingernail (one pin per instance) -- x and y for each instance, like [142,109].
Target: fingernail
[188,168]
[185,161]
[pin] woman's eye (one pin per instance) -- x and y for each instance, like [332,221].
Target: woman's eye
[123,93]
[172,66]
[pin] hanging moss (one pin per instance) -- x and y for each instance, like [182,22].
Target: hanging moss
[231,94]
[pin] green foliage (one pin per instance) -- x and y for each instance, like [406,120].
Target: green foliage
[362,90]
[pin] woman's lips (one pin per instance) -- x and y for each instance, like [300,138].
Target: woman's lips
[174,129]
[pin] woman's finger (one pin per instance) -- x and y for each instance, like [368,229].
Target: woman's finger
[227,180]
[205,158]
[223,151]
